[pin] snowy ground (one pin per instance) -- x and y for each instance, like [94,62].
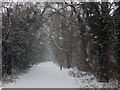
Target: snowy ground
[45,75]
[0,85]
[48,75]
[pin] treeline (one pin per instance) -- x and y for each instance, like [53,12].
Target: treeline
[22,37]
[85,35]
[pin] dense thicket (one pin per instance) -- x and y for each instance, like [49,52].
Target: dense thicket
[85,35]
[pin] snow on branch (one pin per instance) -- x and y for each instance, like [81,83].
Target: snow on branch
[58,45]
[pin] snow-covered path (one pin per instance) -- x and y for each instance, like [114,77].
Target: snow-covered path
[0,85]
[45,75]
